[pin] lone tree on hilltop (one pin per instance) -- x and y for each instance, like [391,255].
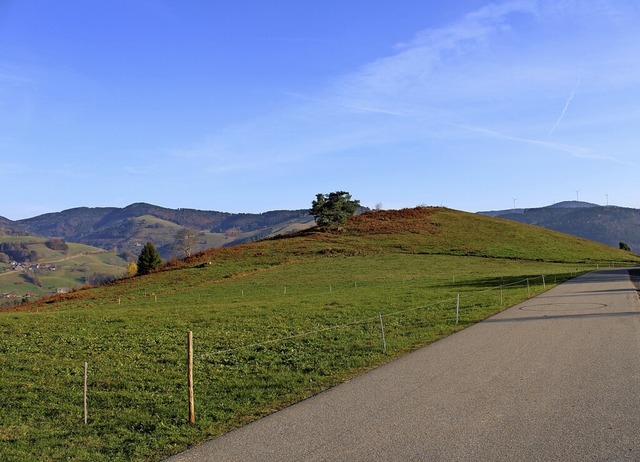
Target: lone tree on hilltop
[149,259]
[334,208]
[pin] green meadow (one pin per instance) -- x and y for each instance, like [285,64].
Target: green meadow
[273,322]
[71,268]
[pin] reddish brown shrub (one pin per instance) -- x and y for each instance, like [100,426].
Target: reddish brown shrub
[416,220]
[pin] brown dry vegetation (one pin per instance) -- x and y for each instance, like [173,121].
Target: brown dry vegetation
[417,220]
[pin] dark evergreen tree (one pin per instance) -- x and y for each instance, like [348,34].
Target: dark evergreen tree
[334,208]
[625,246]
[149,259]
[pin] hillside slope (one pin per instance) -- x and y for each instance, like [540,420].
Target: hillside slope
[442,231]
[124,230]
[418,231]
[609,225]
[31,266]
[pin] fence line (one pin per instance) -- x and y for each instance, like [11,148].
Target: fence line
[413,328]
[367,320]
[290,337]
[354,285]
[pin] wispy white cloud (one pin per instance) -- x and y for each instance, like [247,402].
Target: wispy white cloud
[346,105]
[471,73]
[135,170]
[411,68]
[347,113]
[575,151]
[475,26]
[13,74]
[9,169]
[586,10]
[510,66]
[17,88]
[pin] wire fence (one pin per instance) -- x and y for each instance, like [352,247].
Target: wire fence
[239,374]
[115,377]
[466,301]
[491,299]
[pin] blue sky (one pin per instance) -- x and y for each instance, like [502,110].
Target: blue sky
[249,105]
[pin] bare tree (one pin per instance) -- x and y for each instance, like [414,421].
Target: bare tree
[186,241]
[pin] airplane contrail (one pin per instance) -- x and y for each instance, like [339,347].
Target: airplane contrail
[564,111]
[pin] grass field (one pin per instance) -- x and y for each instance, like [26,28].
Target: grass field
[273,322]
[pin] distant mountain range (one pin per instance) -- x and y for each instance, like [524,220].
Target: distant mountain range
[125,230]
[606,224]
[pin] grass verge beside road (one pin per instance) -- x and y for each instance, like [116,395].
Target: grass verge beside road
[328,310]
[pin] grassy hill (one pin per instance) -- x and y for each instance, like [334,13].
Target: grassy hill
[273,322]
[609,225]
[53,270]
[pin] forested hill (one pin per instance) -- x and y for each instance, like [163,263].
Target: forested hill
[606,224]
[79,222]
[124,229]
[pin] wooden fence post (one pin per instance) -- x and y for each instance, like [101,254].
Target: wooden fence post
[384,340]
[86,367]
[192,416]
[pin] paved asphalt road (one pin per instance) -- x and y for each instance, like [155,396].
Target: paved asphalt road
[556,378]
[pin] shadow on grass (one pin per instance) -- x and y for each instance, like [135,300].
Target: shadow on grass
[496,282]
